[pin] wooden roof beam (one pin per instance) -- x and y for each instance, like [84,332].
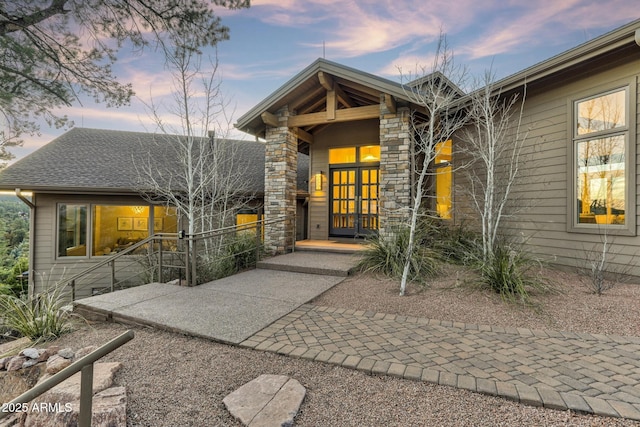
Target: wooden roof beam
[332,104]
[303,135]
[270,119]
[345,115]
[327,82]
[389,103]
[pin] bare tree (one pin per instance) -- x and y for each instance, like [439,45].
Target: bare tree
[437,92]
[207,184]
[493,142]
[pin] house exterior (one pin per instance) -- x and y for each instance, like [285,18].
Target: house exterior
[356,129]
[82,189]
[581,181]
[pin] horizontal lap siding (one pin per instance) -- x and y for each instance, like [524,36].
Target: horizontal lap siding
[46,269]
[542,194]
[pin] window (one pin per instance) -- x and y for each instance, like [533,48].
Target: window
[443,177]
[111,228]
[72,230]
[246,219]
[369,153]
[600,146]
[361,154]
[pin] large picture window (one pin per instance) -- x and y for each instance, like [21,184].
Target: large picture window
[600,138]
[97,230]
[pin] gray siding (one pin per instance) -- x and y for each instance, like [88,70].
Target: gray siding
[545,190]
[46,270]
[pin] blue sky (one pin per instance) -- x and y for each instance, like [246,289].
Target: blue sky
[275,39]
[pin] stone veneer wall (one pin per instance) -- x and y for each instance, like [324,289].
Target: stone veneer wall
[395,169]
[281,159]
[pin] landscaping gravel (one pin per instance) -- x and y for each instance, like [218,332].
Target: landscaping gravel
[174,380]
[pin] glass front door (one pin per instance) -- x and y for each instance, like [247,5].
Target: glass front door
[354,201]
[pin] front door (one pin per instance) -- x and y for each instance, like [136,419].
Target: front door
[354,201]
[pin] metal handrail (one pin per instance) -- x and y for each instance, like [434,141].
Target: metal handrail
[190,256]
[83,365]
[106,261]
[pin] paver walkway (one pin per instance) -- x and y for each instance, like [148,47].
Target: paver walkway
[597,374]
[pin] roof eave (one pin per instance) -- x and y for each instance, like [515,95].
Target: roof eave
[608,42]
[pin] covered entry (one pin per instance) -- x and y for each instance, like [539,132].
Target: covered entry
[355,128]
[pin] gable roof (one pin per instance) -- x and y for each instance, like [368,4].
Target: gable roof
[306,92]
[102,161]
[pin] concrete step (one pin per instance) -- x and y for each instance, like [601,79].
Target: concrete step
[313,262]
[349,246]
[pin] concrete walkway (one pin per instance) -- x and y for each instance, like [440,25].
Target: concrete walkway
[228,310]
[265,309]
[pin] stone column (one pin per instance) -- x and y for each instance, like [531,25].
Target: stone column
[280,171]
[395,169]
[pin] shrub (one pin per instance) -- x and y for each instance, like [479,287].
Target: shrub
[387,255]
[41,317]
[453,244]
[510,273]
[238,253]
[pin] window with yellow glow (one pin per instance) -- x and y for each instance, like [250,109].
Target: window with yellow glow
[361,154]
[443,178]
[342,155]
[600,146]
[112,228]
[369,153]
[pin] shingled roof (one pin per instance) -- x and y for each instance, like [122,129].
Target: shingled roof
[102,161]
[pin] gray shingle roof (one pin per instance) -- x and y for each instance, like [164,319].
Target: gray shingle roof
[102,161]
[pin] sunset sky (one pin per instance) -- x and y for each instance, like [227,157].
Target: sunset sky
[275,39]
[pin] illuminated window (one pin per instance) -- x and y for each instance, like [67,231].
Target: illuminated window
[369,153]
[443,177]
[246,221]
[342,155]
[72,230]
[113,227]
[600,147]
[365,154]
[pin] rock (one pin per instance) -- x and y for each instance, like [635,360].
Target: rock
[44,355]
[14,383]
[56,364]
[53,349]
[85,350]
[60,406]
[16,419]
[29,362]
[67,353]
[3,362]
[15,363]
[109,409]
[269,400]
[69,389]
[31,353]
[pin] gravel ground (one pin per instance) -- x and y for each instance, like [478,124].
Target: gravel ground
[173,380]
